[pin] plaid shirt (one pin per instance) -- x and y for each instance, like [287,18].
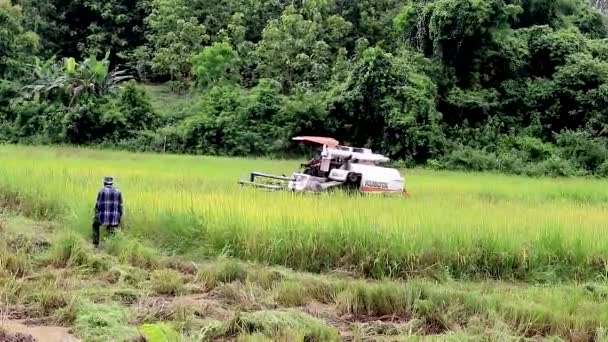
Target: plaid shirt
[108,208]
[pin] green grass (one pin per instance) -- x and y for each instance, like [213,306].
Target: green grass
[165,101]
[103,322]
[454,225]
[249,301]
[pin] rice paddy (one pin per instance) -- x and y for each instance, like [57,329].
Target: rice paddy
[454,225]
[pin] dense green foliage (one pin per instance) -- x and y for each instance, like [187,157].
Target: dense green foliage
[510,85]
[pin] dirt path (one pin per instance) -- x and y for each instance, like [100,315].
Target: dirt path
[38,333]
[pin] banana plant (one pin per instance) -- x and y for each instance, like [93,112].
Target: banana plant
[92,77]
[70,65]
[89,77]
[46,78]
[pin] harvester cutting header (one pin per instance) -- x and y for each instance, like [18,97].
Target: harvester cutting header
[336,166]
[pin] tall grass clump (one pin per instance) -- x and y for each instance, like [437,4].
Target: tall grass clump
[132,251]
[70,250]
[222,270]
[453,225]
[167,282]
[103,322]
[294,325]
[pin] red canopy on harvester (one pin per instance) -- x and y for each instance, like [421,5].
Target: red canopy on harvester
[330,142]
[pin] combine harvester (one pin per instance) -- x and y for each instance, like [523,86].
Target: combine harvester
[336,167]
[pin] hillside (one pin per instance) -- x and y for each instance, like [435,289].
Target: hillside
[510,86]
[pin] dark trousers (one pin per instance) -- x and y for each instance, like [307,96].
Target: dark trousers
[96,226]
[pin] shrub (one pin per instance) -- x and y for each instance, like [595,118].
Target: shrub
[533,149]
[602,170]
[471,159]
[136,111]
[583,149]
[555,167]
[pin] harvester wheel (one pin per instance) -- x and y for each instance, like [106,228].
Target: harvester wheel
[354,179]
[315,186]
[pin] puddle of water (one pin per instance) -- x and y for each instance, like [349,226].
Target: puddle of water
[40,333]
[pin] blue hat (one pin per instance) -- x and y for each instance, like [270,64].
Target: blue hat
[108,180]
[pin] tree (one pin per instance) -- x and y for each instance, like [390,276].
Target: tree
[582,92]
[85,27]
[389,104]
[174,37]
[459,32]
[296,50]
[215,63]
[17,45]
[549,49]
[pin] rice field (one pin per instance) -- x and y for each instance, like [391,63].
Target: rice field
[455,225]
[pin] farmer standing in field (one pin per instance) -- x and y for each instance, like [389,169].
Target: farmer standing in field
[108,209]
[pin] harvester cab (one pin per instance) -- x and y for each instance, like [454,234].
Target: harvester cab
[336,166]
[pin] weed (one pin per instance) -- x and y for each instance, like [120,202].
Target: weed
[321,289]
[69,250]
[180,265]
[18,264]
[224,270]
[133,252]
[264,277]
[167,282]
[47,298]
[290,293]
[362,298]
[254,338]
[103,322]
[127,275]
[159,332]
[11,289]
[68,314]
[244,295]
[276,323]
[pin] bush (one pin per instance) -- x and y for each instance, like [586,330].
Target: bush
[530,148]
[555,167]
[511,163]
[602,170]
[582,148]
[471,159]
[136,110]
